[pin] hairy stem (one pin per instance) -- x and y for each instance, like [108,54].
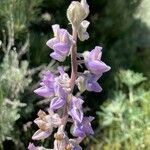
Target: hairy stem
[73,59]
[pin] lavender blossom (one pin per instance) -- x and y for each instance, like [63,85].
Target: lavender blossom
[61,43]
[93,61]
[75,109]
[88,81]
[59,88]
[60,98]
[83,128]
[46,89]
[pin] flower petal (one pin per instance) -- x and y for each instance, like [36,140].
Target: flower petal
[50,43]
[56,29]
[85,6]
[77,131]
[57,103]
[76,114]
[75,109]
[39,134]
[48,78]
[44,91]
[75,144]
[97,67]
[96,53]
[94,86]
[32,147]
[62,49]
[57,56]
[82,34]
[87,125]
[64,36]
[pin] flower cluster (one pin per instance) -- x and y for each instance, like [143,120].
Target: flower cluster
[64,105]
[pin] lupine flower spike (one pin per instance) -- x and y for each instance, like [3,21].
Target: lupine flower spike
[59,88]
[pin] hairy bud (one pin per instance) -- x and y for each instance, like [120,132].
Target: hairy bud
[77,12]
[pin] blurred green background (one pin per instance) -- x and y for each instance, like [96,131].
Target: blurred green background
[121,27]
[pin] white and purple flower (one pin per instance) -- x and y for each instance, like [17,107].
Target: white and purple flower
[75,109]
[59,99]
[88,81]
[61,43]
[46,89]
[64,106]
[83,128]
[93,61]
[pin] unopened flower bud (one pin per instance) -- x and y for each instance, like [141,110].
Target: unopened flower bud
[82,33]
[85,6]
[81,83]
[59,136]
[68,147]
[77,12]
[41,114]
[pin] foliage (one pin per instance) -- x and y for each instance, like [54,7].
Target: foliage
[14,78]
[9,114]
[124,119]
[26,11]
[15,74]
[143,12]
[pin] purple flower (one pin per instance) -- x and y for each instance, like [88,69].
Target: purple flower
[75,109]
[46,89]
[92,85]
[88,81]
[93,61]
[33,147]
[61,43]
[60,98]
[84,128]
[45,123]
[59,87]
[73,145]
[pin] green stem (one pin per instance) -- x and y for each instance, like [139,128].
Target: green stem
[131,94]
[1,146]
